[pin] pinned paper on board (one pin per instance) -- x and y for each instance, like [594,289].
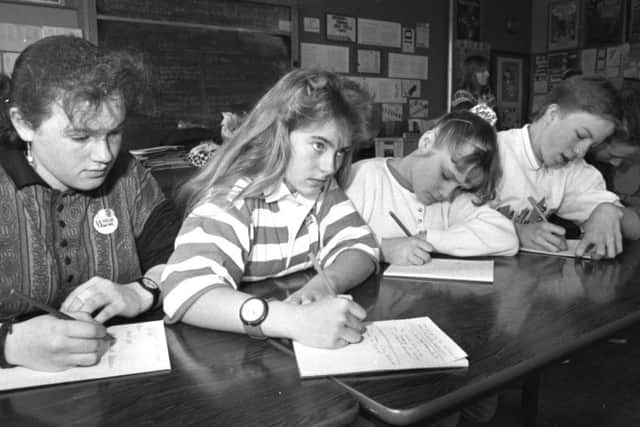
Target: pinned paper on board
[419,108]
[411,88]
[391,112]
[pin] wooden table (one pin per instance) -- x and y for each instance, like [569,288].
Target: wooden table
[217,378]
[539,310]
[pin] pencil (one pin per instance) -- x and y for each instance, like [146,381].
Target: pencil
[400,224]
[41,306]
[320,271]
[537,209]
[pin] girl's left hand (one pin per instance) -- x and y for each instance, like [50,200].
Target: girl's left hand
[314,290]
[112,299]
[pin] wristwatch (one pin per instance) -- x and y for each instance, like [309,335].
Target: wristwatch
[253,311]
[152,287]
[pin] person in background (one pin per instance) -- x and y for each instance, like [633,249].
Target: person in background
[544,171]
[622,149]
[439,193]
[84,227]
[269,204]
[475,88]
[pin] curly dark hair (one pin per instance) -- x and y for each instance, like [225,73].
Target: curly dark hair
[73,71]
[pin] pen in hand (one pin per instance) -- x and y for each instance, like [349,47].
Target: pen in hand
[537,209]
[44,307]
[400,224]
[321,273]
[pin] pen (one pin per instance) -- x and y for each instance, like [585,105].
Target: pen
[49,309]
[41,306]
[537,208]
[400,224]
[320,271]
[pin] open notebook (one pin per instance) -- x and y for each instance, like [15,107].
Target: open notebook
[570,252]
[446,268]
[139,347]
[389,345]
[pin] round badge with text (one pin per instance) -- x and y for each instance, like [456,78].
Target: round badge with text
[105,221]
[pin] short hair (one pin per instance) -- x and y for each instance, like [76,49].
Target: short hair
[72,70]
[461,130]
[260,148]
[590,94]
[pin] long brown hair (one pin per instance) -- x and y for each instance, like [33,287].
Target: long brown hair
[259,149]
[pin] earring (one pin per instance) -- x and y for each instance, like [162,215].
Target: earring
[29,155]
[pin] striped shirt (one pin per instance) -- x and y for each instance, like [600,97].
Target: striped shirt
[259,238]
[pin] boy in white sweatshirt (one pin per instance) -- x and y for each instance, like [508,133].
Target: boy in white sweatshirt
[542,164]
[439,194]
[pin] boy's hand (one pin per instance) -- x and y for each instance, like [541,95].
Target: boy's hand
[602,232]
[542,235]
[414,250]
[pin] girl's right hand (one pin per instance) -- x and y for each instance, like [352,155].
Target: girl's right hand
[331,322]
[46,343]
[542,235]
[414,250]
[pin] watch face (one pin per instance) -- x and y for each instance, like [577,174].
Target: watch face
[253,310]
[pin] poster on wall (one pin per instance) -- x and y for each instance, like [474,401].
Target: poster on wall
[368,61]
[605,22]
[468,20]
[341,28]
[634,21]
[379,33]
[564,19]
[332,58]
[509,84]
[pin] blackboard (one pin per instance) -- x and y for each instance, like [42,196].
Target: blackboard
[198,71]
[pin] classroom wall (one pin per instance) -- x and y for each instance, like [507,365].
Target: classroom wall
[507,24]
[406,12]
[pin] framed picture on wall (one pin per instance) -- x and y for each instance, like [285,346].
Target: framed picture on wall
[341,28]
[605,23]
[564,24]
[509,85]
[634,21]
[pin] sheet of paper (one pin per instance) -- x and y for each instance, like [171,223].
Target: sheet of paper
[139,347]
[390,345]
[408,66]
[332,58]
[446,268]
[570,252]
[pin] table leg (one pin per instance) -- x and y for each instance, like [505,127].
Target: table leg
[530,397]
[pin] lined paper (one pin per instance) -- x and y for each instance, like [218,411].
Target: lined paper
[389,345]
[138,348]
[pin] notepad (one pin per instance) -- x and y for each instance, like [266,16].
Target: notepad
[570,252]
[447,269]
[389,345]
[138,348]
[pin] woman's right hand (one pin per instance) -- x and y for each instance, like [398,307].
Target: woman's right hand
[46,343]
[331,322]
[414,250]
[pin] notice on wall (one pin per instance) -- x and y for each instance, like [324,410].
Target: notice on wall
[423,35]
[332,58]
[379,33]
[8,61]
[419,108]
[383,90]
[368,61]
[411,88]
[408,40]
[392,112]
[14,37]
[311,25]
[408,66]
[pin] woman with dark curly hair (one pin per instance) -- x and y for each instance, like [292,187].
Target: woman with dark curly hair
[82,227]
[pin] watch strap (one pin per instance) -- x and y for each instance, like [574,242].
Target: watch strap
[153,288]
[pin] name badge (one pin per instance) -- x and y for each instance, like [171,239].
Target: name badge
[105,221]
